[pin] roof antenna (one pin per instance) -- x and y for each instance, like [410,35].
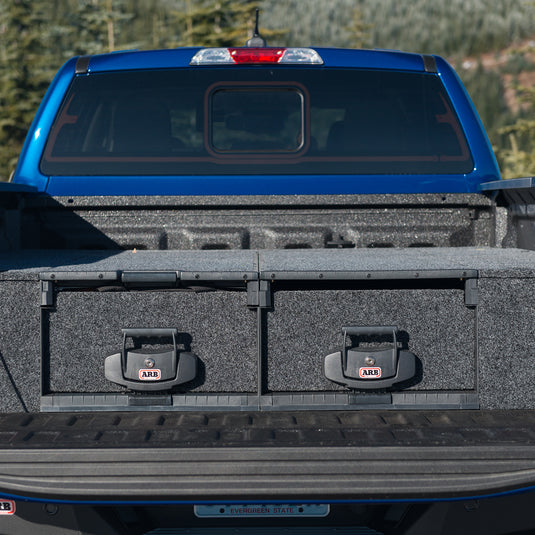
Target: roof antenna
[256,40]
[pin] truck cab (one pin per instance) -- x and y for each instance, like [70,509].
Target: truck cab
[268,121]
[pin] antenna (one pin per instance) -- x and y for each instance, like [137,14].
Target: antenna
[256,40]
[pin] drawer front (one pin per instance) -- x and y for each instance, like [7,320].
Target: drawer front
[433,324]
[86,327]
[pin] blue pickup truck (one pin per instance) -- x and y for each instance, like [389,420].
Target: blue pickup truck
[256,289]
[273,121]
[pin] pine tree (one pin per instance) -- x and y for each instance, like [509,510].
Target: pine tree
[518,158]
[96,26]
[25,72]
[218,23]
[358,30]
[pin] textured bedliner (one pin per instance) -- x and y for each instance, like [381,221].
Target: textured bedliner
[488,261]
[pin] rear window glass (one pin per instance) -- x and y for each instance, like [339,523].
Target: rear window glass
[256,121]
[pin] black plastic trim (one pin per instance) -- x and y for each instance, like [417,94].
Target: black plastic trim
[282,401]
[513,183]
[370,275]
[82,65]
[10,187]
[430,65]
[81,276]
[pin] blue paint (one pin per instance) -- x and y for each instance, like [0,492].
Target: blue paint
[503,494]
[257,185]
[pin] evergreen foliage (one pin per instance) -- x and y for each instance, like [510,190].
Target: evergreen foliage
[94,25]
[487,92]
[358,30]
[455,27]
[215,22]
[25,72]
[516,154]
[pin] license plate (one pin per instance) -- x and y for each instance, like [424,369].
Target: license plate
[269,510]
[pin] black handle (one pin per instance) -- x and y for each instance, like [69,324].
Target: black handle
[150,333]
[170,367]
[363,330]
[390,365]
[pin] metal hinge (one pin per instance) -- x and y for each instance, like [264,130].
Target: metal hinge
[259,294]
[47,294]
[471,293]
[149,278]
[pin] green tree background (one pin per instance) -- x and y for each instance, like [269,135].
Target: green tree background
[488,42]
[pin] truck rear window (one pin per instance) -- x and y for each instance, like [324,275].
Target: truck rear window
[228,121]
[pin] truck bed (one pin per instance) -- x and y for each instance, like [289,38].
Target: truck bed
[262,418]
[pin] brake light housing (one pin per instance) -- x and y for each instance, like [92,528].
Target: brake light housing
[256,56]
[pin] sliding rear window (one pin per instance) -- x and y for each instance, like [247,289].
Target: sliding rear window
[277,120]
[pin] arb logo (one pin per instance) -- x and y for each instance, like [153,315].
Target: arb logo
[150,375]
[370,373]
[7,507]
